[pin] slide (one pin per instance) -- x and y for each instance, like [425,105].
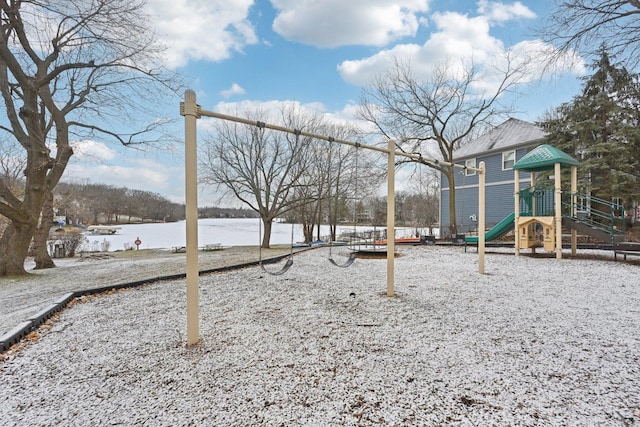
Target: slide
[499,230]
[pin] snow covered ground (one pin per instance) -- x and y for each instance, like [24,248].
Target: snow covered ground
[533,342]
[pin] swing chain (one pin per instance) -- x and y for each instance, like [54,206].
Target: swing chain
[352,256]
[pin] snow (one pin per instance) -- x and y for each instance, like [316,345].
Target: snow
[226,231]
[535,341]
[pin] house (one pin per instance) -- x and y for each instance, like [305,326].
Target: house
[499,148]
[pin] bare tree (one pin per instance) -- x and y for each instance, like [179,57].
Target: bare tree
[423,197]
[587,25]
[329,179]
[312,188]
[342,177]
[443,111]
[356,175]
[70,68]
[261,167]
[13,163]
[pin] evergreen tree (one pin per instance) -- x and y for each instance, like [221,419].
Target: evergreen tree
[600,128]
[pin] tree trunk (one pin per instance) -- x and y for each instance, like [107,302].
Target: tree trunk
[453,226]
[333,221]
[319,221]
[42,258]
[13,248]
[266,236]
[307,231]
[16,238]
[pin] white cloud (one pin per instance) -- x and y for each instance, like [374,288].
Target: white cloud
[332,23]
[542,58]
[147,176]
[349,114]
[501,12]
[362,71]
[235,89]
[459,39]
[202,29]
[272,109]
[91,151]
[153,171]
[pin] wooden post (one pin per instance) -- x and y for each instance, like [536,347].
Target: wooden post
[391,213]
[558,214]
[481,216]
[533,202]
[190,113]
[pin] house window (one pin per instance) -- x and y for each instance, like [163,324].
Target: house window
[508,159]
[470,163]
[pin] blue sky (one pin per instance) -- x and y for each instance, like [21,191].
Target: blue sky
[320,54]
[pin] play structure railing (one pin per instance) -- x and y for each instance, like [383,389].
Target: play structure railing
[597,213]
[537,200]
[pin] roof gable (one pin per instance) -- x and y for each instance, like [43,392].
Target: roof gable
[512,133]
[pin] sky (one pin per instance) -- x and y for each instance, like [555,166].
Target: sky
[321,54]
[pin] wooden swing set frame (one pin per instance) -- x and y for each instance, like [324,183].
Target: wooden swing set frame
[192,112]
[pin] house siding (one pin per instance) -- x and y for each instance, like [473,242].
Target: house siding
[498,192]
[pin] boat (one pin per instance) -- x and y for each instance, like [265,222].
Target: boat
[210,247]
[103,229]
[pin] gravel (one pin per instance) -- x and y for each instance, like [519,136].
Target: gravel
[535,341]
[21,297]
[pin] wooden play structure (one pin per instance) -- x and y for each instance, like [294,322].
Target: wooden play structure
[538,209]
[543,209]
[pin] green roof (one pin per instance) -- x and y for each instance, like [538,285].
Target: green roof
[542,158]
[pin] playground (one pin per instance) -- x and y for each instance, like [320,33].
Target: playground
[531,342]
[542,210]
[527,341]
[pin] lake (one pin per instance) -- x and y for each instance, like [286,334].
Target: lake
[227,232]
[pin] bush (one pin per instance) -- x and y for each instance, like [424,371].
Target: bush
[72,241]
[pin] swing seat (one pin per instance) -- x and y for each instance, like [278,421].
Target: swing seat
[283,270]
[286,266]
[374,253]
[347,263]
